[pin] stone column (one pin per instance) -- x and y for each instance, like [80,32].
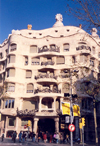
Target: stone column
[35,124]
[76,127]
[18,125]
[56,124]
[61,99]
[6,125]
[54,104]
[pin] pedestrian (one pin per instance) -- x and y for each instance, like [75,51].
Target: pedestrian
[57,137]
[2,136]
[23,136]
[33,137]
[61,138]
[45,137]
[20,136]
[36,140]
[50,138]
[14,136]
[67,138]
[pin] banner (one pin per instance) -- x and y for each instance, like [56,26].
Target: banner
[66,109]
[76,110]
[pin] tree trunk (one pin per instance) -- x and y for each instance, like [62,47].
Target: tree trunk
[95,123]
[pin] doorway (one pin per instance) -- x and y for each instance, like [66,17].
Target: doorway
[46,125]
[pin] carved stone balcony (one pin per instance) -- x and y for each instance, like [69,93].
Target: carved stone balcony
[54,49]
[45,76]
[46,90]
[47,63]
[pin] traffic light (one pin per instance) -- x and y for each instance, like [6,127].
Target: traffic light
[80,125]
[83,121]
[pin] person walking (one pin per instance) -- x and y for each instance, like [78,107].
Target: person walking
[20,136]
[33,137]
[45,137]
[14,136]
[23,136]
[57,137]
[2,137]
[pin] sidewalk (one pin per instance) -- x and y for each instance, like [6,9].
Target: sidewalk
[29,142]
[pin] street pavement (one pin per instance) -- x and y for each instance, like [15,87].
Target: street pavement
[9,142]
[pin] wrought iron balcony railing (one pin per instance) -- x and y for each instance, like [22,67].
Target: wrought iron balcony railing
[45,76]
[51,49]
[47,63]
[46,90]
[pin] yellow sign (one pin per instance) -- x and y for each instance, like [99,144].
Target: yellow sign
[66,108]
[0,117]
[80,125]
[29,123]
[76,110]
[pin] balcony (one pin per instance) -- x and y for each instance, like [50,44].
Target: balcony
[40,76]
[47,90]
[46,49]
[47,63]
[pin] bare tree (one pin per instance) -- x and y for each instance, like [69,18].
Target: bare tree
[91,87]
[85,10]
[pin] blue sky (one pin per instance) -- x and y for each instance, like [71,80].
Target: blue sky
[17,14]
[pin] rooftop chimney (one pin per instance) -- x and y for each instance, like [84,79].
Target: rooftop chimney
[29,26]
[80,26]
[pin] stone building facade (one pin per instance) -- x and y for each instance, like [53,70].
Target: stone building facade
[34,64]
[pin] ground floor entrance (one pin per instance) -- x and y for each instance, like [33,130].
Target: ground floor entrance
[46,125]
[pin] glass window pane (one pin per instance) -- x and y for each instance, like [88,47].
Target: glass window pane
[9,104]
[12,103]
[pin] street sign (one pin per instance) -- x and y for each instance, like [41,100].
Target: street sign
[25,126]
[67,119]
[71,127]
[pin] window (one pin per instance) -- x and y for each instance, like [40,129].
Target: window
[11,59]
[6,52]
[11,121]
[30,88]
[73,59]
[99,54]
[11,72]
[33,49]
[60,60]
[66,47]
[93,50]
[1,56]
[11,87]
[26,60]
[24,121]
[9,103]
[0,78]
[13,47]
[28,74]
[35,61]
[91,62]
[65,88]
[29,104]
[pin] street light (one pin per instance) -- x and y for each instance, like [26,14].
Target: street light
[71,112]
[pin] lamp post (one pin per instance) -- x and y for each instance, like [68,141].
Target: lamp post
[71,106]
[71,133]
